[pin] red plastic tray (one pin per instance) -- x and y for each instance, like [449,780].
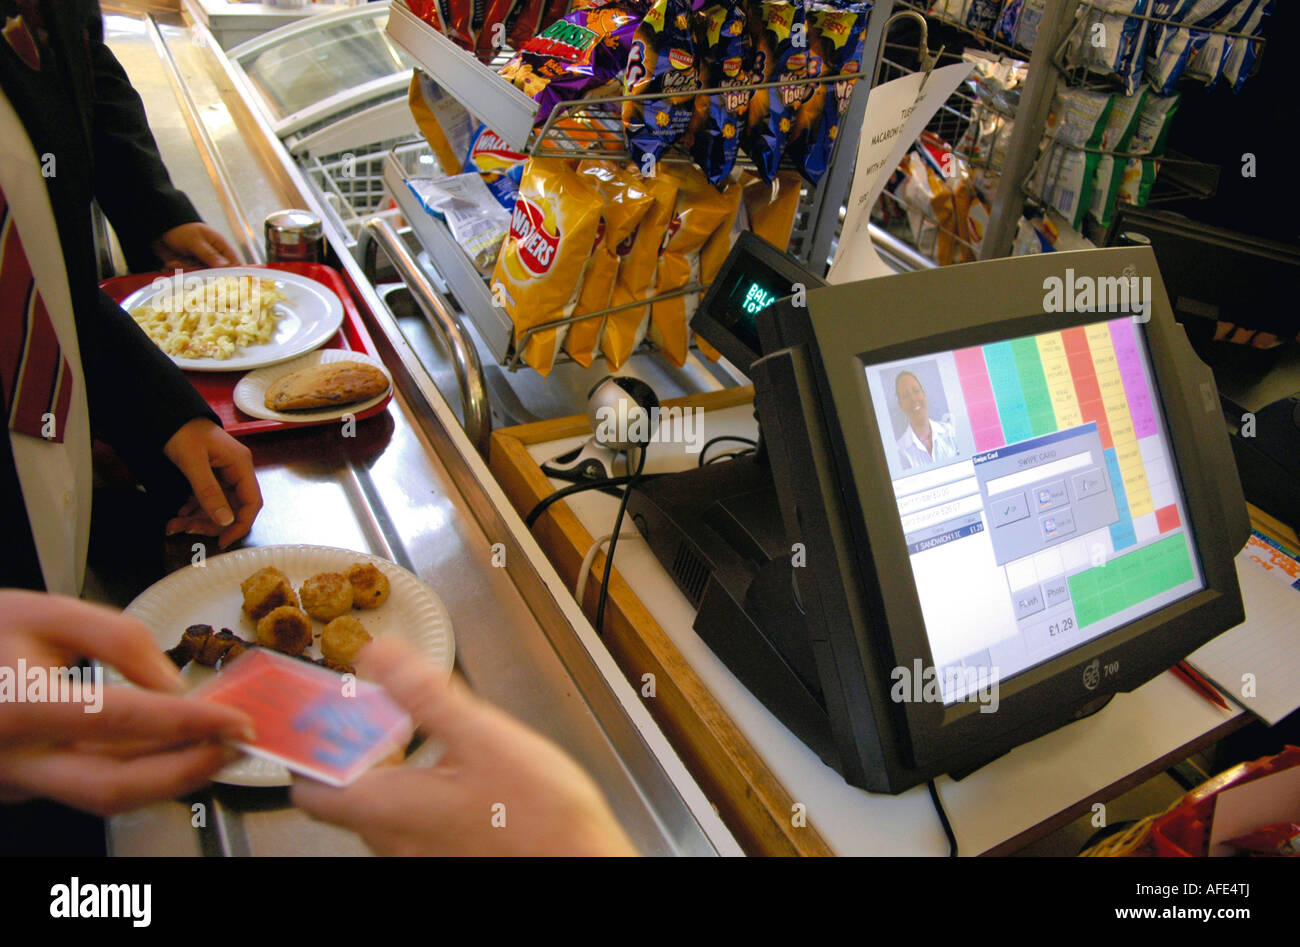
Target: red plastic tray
[217,388]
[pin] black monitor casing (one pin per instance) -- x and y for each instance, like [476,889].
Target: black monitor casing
[859,602]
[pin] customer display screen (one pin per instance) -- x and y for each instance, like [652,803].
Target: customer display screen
[749,290]
[1038,496]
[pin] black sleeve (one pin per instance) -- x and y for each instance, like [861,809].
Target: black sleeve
[137,396]
[131,182]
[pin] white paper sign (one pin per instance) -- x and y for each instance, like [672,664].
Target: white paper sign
[897,112]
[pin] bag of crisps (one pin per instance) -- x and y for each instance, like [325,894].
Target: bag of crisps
[500,166]
[771,206]
[443,121]
[537,274]
[626,201]
[836,35]
[580,55]
[728,54]
[662,60]
[777,58]
[700,210]
[638,260]
[491,35]
[530,17]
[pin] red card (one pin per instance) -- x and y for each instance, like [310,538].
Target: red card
[331,727]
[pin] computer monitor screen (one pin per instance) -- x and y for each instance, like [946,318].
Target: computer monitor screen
[1039,501]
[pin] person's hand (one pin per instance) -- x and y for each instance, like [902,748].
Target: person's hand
[138,747]
[220,471]
[548,805]
[191,245]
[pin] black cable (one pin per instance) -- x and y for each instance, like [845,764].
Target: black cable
[560,494]
[613,541]
[718,440]
[943,817]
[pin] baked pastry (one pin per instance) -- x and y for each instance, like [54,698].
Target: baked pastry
[326,596]
[325,386]
[285,629]
[369,586]
[265,590]
[342,639]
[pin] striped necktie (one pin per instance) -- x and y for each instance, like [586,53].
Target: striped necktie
[36,377]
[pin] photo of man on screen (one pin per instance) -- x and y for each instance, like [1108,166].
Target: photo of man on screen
[925,441]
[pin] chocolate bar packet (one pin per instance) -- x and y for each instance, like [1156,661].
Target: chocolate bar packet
[780,53]
[577,56]
[662,59]
[728,54]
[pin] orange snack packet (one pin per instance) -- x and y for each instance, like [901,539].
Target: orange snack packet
[700,210]
[626,201]
[539,269]
[639,258]
[772,207]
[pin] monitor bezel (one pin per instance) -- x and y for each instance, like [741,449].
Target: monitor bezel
[935,732]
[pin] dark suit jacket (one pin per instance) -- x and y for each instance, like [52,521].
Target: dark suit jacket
[81,110]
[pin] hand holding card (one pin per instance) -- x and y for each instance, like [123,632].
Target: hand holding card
[331,727]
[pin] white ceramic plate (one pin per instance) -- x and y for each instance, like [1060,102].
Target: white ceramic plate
[250,393]
[309,315]
[210,595]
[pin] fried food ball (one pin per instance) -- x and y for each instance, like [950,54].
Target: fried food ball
[265,590]
[342,639]
[285,629]
[369,586]
[326,596]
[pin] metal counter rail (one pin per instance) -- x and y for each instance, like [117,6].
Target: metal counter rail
[412,486]
[469,370]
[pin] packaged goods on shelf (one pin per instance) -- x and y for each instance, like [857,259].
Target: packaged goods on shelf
[442,120]
[1079,117]
[776,59]
[939,198]
[530,17]
[1123,122]
[662,60]
[719,121]
[542,259]
[1139,175]
[1155,118]
[982,15]
[625,201]
[500,167]
[1112,40]
[581,55]
[1019,22]
[1191,48]
[835,40]
[1044,231]
[1063,179]
[476,219]
[699,212]
[625,329]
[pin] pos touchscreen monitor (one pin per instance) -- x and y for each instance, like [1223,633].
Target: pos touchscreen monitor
[1012,496]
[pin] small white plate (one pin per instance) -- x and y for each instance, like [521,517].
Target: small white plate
[210,595]
[249,395]
[309,315]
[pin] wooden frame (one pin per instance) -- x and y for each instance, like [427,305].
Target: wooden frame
[747,795]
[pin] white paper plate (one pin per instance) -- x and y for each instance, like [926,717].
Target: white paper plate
[210,595]
[309,316]
[250,393]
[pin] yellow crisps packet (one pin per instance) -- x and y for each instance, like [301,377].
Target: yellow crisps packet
[639,257]
[626,200]
[443,121]
[552,230]
[699,211]
[772,207]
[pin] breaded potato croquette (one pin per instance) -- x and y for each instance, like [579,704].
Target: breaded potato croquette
[343,638]
[369,586]
[265,590]
[285,629]
[326,596]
